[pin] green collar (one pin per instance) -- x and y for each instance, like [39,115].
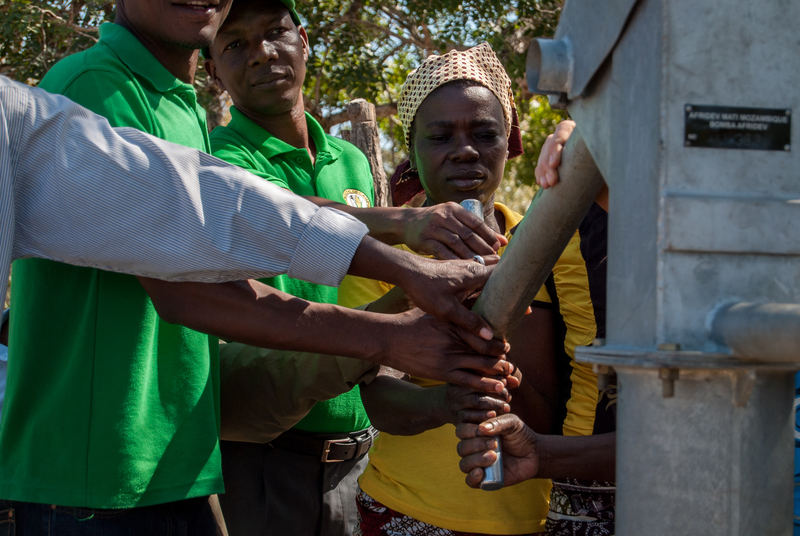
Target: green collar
[138,59]
[270,146]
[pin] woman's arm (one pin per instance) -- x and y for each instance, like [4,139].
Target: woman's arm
[399,407]
[527,454]
[533,352]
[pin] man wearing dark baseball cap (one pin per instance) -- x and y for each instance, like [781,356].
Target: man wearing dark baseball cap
[305,480]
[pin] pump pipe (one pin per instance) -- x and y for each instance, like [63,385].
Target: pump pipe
[539,240]
[759,331]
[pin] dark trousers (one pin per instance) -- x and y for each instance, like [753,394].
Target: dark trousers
[192,517]
[270,491]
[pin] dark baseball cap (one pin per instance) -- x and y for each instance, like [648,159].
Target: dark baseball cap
[290,5]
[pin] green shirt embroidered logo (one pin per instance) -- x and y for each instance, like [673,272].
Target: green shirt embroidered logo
[356,198]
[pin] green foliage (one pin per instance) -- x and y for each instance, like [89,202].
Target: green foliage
[359,48]
[537,120]
[34,35]
[516,196]
[365,48]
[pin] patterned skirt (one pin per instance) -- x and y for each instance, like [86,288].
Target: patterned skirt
[375,519]
[580,508]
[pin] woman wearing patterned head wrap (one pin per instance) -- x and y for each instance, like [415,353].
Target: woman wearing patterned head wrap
[478,65]
[460,123]
[577,507]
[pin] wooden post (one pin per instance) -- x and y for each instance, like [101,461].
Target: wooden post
[364,135]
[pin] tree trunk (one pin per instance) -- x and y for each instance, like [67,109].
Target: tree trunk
[364,135]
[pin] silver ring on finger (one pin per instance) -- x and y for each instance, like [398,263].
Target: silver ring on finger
[478,258]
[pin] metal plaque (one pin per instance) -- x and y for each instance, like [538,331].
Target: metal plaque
[725,127]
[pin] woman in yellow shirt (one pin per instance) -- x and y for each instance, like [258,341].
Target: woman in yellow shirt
[459,116]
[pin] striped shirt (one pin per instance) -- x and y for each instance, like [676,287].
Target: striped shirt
[224,223]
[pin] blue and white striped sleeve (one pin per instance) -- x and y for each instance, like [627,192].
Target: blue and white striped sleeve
[121,200]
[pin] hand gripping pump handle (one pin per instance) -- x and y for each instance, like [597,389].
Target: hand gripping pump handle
[539,240]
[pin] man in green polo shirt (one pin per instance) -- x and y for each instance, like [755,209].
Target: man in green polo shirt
[149,371]
[289,486]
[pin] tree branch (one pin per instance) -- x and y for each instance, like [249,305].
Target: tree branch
[391,53]
[388,32]
[381,111]
[85,31]
[403,21]
[318,83]
[399,16]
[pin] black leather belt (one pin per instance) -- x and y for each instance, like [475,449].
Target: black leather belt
[328,448]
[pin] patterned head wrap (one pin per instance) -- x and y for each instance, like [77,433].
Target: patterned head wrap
[478,63]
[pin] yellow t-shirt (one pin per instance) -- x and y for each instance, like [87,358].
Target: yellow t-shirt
[575,305]
[419,475]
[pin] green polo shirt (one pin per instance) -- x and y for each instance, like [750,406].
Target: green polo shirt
[107,405]
[341,173]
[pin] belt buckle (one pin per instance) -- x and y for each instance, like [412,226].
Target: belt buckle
[363,443]
[326,449]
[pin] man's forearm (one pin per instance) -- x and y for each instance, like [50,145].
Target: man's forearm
[375,260]
[582,457]
[258,315]
[384,223]
[224,223]
[394,301]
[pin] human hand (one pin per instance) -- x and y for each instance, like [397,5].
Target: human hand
[429,347]
[449,231]
[546,171]
[520,455]
[397,300]
[441,288]
[462,404]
